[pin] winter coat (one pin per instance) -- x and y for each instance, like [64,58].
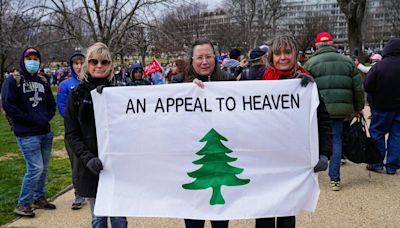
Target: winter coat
[29,103]
[80,134]
[131,81]
[338,80]
[255,72]
[383,80]
[324,122]
[67,85]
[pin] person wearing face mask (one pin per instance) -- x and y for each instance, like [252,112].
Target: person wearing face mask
[28,101]
[80,128]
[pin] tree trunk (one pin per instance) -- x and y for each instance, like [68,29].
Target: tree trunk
[354,11]
[217,197]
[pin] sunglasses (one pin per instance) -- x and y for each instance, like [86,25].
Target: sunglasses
[102,62]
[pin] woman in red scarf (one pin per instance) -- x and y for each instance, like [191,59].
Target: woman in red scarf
[283,59]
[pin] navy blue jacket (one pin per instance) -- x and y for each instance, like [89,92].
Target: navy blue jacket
[383,80]
[30,105]
[131,81]
[66,86]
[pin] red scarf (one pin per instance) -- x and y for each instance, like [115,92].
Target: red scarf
[272,73]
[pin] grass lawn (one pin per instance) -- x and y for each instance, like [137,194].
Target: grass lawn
[12,166]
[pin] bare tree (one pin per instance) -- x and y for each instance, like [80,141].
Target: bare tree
[99,20]
[354,11]
[180,26]
[16,22]
[305,29]
[257,18]
[392,9]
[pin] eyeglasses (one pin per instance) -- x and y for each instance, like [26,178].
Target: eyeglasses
[102,62]
[200,58]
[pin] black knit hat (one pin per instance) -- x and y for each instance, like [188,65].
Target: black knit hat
[257,53]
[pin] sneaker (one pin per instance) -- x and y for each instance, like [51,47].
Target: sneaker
[78,203]
[335,185]
[373,169]
[43,204]
[390,172]
[25,211]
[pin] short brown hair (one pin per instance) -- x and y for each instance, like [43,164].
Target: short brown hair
[77,57]
[285,42]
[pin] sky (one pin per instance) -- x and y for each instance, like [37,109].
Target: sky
[212,3]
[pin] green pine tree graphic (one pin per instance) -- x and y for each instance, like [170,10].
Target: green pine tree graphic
[215,171]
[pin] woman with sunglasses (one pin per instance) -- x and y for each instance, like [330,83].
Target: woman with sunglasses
[80,129]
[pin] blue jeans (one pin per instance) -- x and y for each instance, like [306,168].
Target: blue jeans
[381,124]
[334,164]
[101,222]
[36,151]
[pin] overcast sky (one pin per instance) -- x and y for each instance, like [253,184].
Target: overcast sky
[212,3]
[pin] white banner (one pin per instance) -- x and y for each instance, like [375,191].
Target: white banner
[233,150]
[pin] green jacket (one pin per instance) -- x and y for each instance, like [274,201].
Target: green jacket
[338,80]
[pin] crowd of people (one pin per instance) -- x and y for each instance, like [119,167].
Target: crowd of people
[28,102]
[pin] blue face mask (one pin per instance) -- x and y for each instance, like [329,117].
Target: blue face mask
[32,66]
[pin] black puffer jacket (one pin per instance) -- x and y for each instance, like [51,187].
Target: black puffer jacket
[383,80]
[80,133]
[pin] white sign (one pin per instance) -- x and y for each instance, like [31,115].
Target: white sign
[233,150]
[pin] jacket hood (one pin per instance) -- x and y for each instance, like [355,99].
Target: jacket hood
[230,63]
[392,48]
[22,67]
[76,53]
[134,67]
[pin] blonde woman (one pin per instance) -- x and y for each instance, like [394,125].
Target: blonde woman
[80,129]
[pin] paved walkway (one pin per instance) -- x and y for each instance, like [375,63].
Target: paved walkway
[367,199]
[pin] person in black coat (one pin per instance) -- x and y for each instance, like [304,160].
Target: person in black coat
[80,128]
[382,83]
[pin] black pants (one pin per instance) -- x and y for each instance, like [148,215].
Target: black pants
[191,223]
[74,163]
[281,222]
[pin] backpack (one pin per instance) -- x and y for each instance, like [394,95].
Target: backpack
[357,146]
[229,73]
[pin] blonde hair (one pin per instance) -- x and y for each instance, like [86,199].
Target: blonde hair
[284,42]
[101,50]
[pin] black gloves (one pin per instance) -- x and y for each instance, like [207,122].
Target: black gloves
[322,164]
[305,79]
[95,166]
[100,88]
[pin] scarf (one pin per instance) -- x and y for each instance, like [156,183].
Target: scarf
[272,73]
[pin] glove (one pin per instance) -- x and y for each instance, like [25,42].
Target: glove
[100,88]
[95,166]
[322,164]
[305,79]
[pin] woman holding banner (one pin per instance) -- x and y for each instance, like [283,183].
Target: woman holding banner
[203,68]
[80,129]
[283,65]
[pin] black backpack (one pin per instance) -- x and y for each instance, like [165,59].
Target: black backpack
[356,145]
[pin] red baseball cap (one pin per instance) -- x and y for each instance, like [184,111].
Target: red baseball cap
[323,37]
[31,51]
